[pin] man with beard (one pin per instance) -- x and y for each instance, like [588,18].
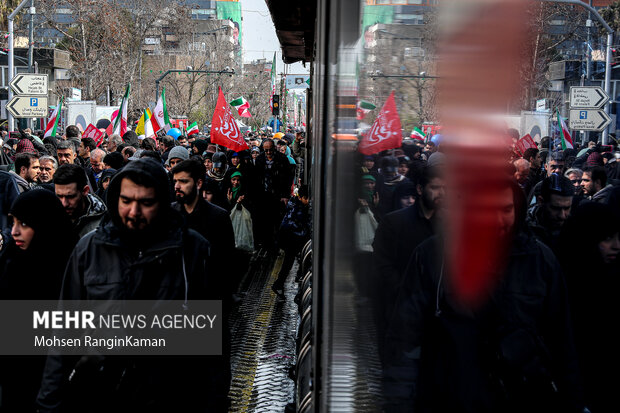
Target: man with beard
[399,233]
[142,251]
[512,351]
[27,169]
[546,219]
[85,208]
[210,221]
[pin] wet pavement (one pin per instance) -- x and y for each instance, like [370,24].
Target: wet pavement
[264,329]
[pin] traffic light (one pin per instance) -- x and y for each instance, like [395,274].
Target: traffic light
[276,105]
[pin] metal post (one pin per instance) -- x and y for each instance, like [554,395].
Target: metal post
[31,52]
[11,72]
[610,39]
[10,19]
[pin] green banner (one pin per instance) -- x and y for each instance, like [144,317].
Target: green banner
[231,10]
[377,14]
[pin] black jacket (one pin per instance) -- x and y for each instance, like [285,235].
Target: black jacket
[169,262]
[277,180]
[213,223]
[397,236]
[443,357]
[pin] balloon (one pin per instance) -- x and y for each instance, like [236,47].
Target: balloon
[436,139]
[174,132]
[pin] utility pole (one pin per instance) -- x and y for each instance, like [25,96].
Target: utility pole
[11,45]
[31,51]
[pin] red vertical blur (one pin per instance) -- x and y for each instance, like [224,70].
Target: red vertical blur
[480,58]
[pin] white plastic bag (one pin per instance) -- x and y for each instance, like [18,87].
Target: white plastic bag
[365,227]
[242,226]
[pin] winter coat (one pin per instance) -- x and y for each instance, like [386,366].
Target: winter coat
[8,193]
[548,236]
[443,357]
[277,181]
[603,195]
[213,223]
[296,222]
[95,210]
[22,184]
[397,235]
[165,261]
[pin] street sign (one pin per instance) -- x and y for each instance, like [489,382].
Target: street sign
[297,81]
[541,105]
[28,106]
[592,120]
[29,84]
[587,97]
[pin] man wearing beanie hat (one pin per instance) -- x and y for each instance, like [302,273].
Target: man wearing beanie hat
[176,155]
[142,250]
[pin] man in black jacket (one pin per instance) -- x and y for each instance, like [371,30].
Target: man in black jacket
[272,182]
[210,221]
[399,233]
[511,352]
[142,251]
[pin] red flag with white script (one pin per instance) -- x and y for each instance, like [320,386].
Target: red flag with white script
[224,128]
[386,131]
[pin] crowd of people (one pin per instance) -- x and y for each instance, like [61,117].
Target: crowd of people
[540,339]
[139,218]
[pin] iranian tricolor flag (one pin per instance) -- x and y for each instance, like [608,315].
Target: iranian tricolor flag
[417,133]
[363,108]
[273,81]
[567,141]
[242,107]
[192,129]
[160,118]
[119,123]
[52,122]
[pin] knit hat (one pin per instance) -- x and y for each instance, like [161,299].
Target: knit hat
[594,159]
[24,145]
[436,159]
[368,177]
[256,149]
[178,152]
[236,173]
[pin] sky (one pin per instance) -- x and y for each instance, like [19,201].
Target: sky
[259,36]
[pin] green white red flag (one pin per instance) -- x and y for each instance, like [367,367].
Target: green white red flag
[52,122]
[160,118]
[192,129]
[273,81]
[567,141]
[363,108]
[242,106]
[224,128]
[418,134]
[120,123]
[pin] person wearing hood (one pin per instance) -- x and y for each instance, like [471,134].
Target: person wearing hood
[85,208]
[216,179]
[593,284]
[387,181]
[32,262]
[512,351]
[148,253]
[104,182]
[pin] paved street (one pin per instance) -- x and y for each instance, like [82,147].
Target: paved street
[263,340]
